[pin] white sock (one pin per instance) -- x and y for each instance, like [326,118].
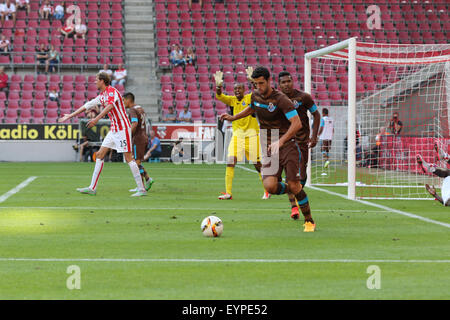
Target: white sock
[96,174]
[137,175]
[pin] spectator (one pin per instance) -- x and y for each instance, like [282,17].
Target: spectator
[185,115]
[154,147]
[195,1]
[107,70]
[4,45]
[67,31]
[170,116]
[395,125]
[176,56]
[42,54]
[8,10]
[80,31]
[59,11]
[190,57]
[23,5]
[87,151]
[177,151]
[53,95]
[46,10]
[3,80]
[120,76]
[52,60]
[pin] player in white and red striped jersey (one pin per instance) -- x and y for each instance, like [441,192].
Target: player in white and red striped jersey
[118,138]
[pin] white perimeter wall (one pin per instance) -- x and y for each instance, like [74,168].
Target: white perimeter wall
[42,150]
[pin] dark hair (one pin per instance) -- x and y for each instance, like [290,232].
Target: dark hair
[283,74]
[105,77]
[129,96]
[261,72]
[325,111]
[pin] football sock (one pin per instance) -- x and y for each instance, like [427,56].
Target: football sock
[292,200]
[97,170]
[302,200]
[281,188]
[229,175]
[143,173]
[137,175]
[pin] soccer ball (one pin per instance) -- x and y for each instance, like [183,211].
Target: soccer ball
[212,226]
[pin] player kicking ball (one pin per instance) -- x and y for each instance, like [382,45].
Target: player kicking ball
[140,137]
[245,137]
[280,121]
[440,172]
[119,136]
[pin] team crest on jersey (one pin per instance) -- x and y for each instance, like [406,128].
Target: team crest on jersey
[296,104]
[271,107]
[243,103]
[111,94]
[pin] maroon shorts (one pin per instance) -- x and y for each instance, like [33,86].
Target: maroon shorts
[287,159]
[139,150]
[304,152]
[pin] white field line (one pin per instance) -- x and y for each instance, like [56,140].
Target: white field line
[185,209]
[403,213]
[16,189]
[224,260]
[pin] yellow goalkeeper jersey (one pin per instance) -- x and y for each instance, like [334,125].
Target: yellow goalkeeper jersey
[245,127]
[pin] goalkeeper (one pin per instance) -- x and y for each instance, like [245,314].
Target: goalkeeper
[245,139]
[440,172]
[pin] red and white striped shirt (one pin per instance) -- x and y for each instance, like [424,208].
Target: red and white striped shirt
[118,115]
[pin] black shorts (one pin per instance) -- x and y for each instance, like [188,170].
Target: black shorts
[288,160]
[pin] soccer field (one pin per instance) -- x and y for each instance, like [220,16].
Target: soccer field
[152,247]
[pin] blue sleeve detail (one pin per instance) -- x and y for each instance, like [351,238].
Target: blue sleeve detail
[291,114]
[322,123]
[313,108]
[134,120]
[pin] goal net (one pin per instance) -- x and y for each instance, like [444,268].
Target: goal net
[388,103]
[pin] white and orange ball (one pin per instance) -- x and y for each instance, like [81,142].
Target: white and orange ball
[212,226]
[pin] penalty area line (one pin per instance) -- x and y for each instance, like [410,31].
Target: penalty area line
[16,189]
[224,260]
[379,206]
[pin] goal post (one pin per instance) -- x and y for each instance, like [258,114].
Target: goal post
[363,85]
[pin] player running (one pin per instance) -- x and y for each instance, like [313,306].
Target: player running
[140,137]
[303,103]
[277,116]
[440,172]
[118,138]
[326,132]
[245,137]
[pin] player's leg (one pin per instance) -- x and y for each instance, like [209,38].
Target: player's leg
[136,174]
[139,153]
[327,144]
[229,171]
[432,168]
[92,189]
[303,163]
[253,154]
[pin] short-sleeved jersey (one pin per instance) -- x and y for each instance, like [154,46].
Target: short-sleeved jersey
[245,127]
[118,114]
[137,114]
[273,112]
[327,123]
[303,102]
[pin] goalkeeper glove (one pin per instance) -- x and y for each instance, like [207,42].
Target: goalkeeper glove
[249,72]
[218,76]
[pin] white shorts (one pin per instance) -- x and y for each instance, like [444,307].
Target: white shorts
[120,141]
[445,190]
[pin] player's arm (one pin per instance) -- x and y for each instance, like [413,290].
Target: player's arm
[312,108]
[431,190]
[322,125]
[102,114]
[244,113]
[134,120]
[87,106]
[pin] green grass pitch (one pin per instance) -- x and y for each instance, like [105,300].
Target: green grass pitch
[263,254]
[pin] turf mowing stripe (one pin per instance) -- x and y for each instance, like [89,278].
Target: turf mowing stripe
[16,189]
[225,260]
[209,209]
[403,213]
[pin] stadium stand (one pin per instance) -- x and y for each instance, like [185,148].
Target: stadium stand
[234,34]
[27,101]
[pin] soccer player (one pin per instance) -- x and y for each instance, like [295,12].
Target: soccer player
[245,137]
[139,135]
[303,103]
[118,138]
[440,172]
[326,132]
[277,116]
